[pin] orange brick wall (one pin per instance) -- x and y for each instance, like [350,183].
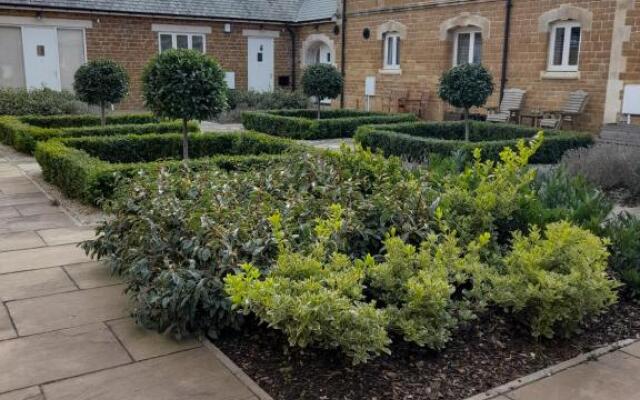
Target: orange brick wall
[130,41]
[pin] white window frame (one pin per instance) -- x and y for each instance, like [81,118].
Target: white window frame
[189,35]
[395,64]
[564,67]
[473,31]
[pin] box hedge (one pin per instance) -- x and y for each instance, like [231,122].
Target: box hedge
[303,124]
[90,168]
[23,136]
[415,141]
[71,121]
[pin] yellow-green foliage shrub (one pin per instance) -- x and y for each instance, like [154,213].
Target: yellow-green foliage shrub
[318,298]
[556,280]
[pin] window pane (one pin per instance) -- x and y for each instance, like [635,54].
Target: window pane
[574,45]
[389,50]
[464,42]
[558,46]
[182,41]
[397,60]
[477,48]
[11,68]
[71,48]
[166,42]
[197,43]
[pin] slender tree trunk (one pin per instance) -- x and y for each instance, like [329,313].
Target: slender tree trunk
[467,124]
[319,105]
[103,114]
[185,140]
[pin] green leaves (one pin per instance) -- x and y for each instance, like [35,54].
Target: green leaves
[184,84]
[466,86]
[100,82]
[322,81]
[555,281]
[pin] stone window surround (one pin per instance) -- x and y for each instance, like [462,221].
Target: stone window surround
[465,20]
[549,19]
[314,39]
[398,29]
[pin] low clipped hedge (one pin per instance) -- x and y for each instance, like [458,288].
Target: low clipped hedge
[415,141]
[71,121]
[90,168]
[303,124]
[24,136]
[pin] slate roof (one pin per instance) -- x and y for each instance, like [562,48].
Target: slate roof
[260,10]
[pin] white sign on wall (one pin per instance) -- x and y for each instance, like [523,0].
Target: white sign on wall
[230,78]
[370,86]
[631,102]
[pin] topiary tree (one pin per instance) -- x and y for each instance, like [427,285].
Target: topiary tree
[322,81]
[184,84]
[466,86]
[101,82]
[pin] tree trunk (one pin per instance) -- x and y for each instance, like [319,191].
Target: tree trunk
[185,140]
[467,124]
[103,114]
[319,105]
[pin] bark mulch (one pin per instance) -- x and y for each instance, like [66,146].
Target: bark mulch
[492,352]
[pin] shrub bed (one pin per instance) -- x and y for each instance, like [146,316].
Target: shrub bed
[415,141]
[40,102]
[91,168]
[401,254]
[24,136]
[303,124]
[71,121]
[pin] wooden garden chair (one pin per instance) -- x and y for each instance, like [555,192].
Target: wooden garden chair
[415,102]
[510,107]
[574,107]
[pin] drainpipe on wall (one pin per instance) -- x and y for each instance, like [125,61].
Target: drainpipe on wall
[505,49]
[292,34]
[343,47]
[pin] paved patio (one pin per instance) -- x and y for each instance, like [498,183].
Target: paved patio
[64,327]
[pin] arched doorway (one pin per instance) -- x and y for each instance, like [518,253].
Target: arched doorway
[318,49]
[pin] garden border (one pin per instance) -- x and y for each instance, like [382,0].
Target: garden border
[91,179]
[22,136]
[399,140]
[302,124]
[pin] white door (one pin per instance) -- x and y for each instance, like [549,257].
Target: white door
[260,64]
[41,59]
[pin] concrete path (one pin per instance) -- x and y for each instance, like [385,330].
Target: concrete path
[64,327]
[611,373]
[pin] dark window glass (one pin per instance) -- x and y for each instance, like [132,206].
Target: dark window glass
[464,45]
[166,42]
[477,48]
[182,41]
[197,43]
[558,46]
[574,45]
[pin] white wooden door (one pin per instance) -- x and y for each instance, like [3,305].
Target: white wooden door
[260,64]
[41,58]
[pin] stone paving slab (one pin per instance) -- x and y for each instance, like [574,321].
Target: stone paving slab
[634,350]
[91,275]
[20,241]
[19,186]
[23,260]
[41,282]
[143,344]
[43,314]
[25,198]
[614,376]
[34,360]
[6,328]
[32,393]
[37,209]
[9,212]
[189,375]
[58,236]
[34,222]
